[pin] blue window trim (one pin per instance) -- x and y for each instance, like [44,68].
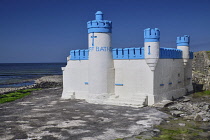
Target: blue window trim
[118,84]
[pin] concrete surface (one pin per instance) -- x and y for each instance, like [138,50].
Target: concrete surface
[43,116]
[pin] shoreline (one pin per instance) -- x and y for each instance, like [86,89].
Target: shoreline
[42,82]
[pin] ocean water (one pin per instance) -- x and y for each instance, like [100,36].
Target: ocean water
[23,74]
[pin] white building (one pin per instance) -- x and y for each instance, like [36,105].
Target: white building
[128,76]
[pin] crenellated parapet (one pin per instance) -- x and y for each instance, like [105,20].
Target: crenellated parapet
[79,54]
[151,35]
[183,41]
[128,53]
[99,25]
[170,53]
[191,55]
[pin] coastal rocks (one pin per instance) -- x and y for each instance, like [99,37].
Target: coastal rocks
[190,109]
[43,82]
[5,90]
[201,70]
[49,81]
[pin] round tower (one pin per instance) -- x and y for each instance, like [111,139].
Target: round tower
[152,46]
[183,44]
[101,67]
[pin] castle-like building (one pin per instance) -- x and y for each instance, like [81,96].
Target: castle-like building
[127,76]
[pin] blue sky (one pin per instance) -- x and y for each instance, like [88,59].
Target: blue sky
[46,30]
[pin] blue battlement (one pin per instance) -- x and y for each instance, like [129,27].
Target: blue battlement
[99,25]
[131,53]
[152,35]
[170,53]
[128,53]
[191,55]
[79,54]
[183,41]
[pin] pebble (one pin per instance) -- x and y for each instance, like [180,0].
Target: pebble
[182,124]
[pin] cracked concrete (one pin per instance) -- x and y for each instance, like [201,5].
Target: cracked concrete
[43,116]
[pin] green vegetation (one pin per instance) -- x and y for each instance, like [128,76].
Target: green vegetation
[119,139]
[15,95]
[203,93]
[208,53]
[173,131]
[139,137]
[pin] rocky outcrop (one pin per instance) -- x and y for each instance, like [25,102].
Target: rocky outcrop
[201,70]
[197,109]
[49,81]
[43,82]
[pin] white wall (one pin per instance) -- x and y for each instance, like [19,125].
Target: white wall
[101,67]
[136,77]
[75,74]
[169,71]
[188,76]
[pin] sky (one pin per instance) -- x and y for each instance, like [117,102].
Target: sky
[34,31]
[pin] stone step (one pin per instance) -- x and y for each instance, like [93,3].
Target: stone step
[137,102]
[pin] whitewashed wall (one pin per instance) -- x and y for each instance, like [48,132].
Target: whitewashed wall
[136,77]
[169,79]
[75,74]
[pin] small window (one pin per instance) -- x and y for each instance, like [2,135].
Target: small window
[178,74]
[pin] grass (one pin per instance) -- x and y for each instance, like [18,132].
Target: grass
[203,93]
[173,131]
[208,53]
[12,96]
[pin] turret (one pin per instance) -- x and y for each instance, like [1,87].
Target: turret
[100,75]
[183,44]
[152,46]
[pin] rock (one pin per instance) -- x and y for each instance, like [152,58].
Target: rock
[164,103]
[198,117]
[182,124]
[201,71]
[206,119]
[186,100]
[176,113]
[156,130]
[206,107]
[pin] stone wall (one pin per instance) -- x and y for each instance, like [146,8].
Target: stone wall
[201,70]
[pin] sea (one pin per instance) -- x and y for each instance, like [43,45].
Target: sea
[24,74]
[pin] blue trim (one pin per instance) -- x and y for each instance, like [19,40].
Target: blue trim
[170,53]
[183,41]
[86,83]
[151,35]
[79,54]
[99,25]
[170,83]
[118,84]
[149,50]
[161,84]
[191,55]
[128,53]
[93,38]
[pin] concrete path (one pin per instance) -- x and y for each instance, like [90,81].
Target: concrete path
[43,116]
